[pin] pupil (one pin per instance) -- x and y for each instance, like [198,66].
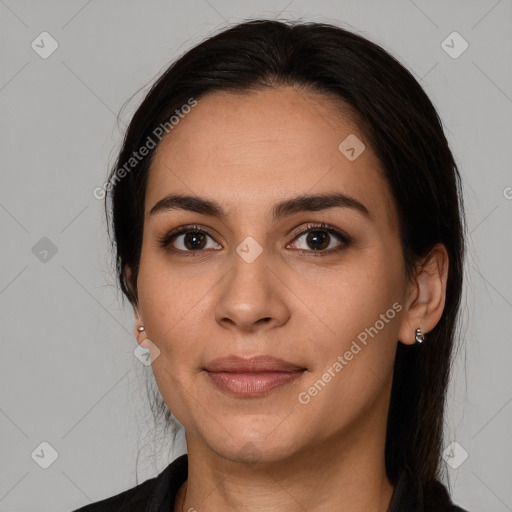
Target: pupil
[193,238]
[316,237]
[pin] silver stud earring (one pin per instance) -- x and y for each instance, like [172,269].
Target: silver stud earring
[420,336]
[141,328]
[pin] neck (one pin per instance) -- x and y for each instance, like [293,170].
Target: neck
[345,473]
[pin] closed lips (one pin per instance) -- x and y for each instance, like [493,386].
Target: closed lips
[257,364]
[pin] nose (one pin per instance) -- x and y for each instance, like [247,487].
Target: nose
[251,298]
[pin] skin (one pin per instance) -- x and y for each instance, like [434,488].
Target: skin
[248,152]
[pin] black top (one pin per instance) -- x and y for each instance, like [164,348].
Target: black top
[158,494]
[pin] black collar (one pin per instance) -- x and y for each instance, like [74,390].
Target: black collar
[407,497]
[167,486]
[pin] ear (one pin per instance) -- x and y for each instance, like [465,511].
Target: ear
[426,295]
[139,336]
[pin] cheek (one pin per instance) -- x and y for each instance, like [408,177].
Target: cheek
[171,308]
[348,297]
[353,356]
[175,305]
[355,314]
[162,296]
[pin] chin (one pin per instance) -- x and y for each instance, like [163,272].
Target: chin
[255,447]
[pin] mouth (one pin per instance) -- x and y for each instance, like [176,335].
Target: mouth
[253,383]
[251,377]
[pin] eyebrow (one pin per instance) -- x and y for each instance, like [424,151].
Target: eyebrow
[286,208]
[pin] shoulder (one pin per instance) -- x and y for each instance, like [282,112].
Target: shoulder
[438,498]
[410,494]
[131,499]
[150,494]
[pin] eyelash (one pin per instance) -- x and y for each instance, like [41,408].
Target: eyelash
[342,237]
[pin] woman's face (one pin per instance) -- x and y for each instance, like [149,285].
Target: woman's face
[257,282]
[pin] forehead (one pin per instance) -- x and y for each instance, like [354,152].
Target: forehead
[240,126]
[264,145]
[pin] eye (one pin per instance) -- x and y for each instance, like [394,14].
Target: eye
[320,237]
[189,239]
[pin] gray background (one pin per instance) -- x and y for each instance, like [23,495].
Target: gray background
[68,373]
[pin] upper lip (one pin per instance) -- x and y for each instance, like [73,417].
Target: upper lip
[236,364]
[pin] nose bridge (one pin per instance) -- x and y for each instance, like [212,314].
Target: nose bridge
[250,292]
[250,273]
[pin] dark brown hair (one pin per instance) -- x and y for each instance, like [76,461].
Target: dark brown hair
[403,128]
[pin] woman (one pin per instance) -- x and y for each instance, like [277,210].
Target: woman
[289,231]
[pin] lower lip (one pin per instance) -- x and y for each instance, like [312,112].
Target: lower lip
[252,384]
